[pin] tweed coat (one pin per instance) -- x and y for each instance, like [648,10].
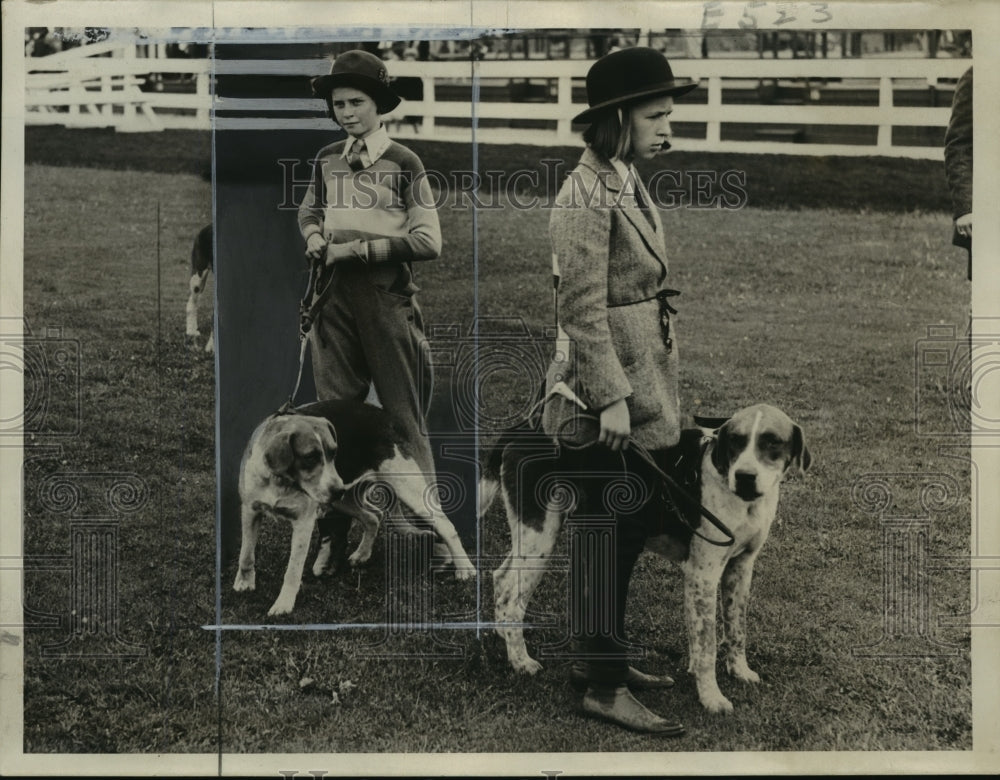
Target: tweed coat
[611,264]
[958,156]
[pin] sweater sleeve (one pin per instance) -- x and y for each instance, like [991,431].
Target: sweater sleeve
[581,236]
[311,208]
[423,237]
[958,147]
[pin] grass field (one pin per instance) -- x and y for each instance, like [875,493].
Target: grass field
[818,310]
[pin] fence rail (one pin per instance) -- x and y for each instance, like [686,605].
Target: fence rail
[101,84]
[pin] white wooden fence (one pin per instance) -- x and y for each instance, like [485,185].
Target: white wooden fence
[98,85]
[87,87]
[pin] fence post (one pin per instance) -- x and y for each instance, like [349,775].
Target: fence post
[201,89]
[427,122]
[713,128]
[884,139]
[565,103]
[128,108]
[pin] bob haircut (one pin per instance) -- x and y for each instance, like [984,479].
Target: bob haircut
[610,134]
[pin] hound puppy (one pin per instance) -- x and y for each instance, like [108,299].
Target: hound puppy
[329,456]
[737,467]
[202,262]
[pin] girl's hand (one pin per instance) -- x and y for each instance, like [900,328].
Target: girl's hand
[615,426]
[964,225]
[315,246]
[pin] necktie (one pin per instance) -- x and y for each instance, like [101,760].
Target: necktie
[354,155]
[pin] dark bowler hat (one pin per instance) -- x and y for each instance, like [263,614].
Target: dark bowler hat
[626,75]
[361,70]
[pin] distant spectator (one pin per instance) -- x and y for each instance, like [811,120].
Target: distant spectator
[96,34]
[69,37]
[958,163]
[619,42]
[599,45]
[39,41]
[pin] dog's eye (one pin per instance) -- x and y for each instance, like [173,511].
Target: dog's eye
[737,442]
[310,460]
[772,446]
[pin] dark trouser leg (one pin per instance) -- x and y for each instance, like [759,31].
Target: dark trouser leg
[390,332]
[602,640]
[339,366]
[603,557]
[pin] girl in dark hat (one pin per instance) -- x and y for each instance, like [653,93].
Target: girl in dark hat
[617,357]
[369,224]
[368,215]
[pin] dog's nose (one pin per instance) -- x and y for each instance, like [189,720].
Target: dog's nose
[746,485]
[337,494]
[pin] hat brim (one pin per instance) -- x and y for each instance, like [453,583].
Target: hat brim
[668,89]
[385,99]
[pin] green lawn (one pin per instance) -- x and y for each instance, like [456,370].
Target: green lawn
[816,310]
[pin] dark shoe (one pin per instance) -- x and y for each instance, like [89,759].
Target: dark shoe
[619,706]
[636,680]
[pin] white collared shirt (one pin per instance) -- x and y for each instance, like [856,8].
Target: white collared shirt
[373,146]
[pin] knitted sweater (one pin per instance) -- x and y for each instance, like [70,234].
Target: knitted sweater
[389,205]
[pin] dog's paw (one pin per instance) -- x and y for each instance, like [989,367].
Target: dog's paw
[526,665]
[359,558]
[716,703]
[246,581]
[281,607]
[322,569]
[464,571]
[326,562]
[742,672]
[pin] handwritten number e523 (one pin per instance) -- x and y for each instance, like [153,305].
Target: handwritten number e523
[713,12]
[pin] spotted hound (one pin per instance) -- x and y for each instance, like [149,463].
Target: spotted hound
[738,468]
[334,458]
[202,262]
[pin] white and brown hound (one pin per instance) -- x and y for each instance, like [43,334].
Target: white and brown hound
[741,463]
[202,263]
[329,457]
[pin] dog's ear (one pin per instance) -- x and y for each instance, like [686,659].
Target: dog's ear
[329,435]
[720,450]
[278,455]
[801,459]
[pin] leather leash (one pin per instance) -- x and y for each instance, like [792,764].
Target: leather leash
[310,308]
[665,478]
